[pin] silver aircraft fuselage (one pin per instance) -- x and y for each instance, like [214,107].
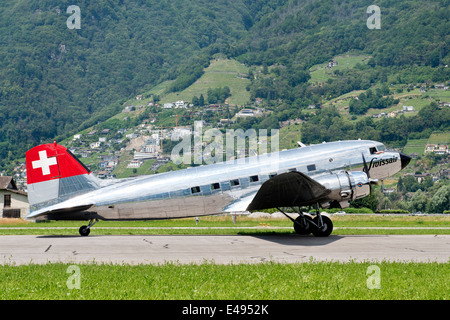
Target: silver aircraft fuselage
[222,187]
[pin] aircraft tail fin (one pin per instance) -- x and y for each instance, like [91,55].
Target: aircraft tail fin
[54,175]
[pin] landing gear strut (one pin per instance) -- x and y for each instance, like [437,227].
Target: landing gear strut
[85,230]
[320,226]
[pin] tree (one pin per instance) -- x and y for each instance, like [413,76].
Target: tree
[427,182]
[371,201]
[299,76]
[441,200]
[433,58]
[410,184]
[195,101]
[218,95]
[400,185]
[418,202]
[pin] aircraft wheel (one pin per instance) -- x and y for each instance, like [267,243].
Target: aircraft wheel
[326,228]
[303,227]
[84,231]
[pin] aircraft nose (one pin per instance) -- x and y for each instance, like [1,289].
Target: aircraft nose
[404,159]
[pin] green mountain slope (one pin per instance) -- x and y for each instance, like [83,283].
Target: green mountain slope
[55,81]
[310,32]
[220,73]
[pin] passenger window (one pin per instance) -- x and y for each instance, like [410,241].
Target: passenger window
[311,167]
[292,170]
[234,182]
[195,190]
[215,186]
[254,178]
[272,175]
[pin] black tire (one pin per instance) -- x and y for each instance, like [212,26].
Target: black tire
[84,231]
[325,230]
[303,229]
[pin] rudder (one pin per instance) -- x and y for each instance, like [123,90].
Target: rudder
[54,174]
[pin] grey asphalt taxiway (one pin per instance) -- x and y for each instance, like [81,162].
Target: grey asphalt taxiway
[221,249]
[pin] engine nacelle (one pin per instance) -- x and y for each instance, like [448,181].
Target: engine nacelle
[345,186]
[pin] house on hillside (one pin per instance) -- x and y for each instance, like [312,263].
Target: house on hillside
[408,108]
[13,202]
[246,113]
[331,64]
[135,164]
[180,104]
[441,86]
[437,148]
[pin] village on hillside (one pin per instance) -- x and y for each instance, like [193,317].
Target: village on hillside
[102,149]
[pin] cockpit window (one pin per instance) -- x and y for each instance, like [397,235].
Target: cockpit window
[381,147]
[378,149]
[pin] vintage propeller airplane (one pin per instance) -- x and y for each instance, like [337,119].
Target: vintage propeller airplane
[325,175]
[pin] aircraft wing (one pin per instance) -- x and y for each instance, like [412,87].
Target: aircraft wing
[241,204]
[290,189]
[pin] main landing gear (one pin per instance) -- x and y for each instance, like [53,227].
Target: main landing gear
[85,230]
[319,226]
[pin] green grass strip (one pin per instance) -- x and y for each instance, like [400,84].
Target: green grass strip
[268,281]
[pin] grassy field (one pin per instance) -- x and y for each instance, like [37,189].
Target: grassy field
[319,72]
[415,146]
[289,135]
[439,94]
[265,281]
[220,73]
[439,137]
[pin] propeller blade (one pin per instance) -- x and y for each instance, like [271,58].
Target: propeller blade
[365,169]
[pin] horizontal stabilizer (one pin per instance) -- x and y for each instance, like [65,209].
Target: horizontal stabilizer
[58,209]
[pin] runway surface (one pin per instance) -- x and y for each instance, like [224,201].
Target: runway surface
[221,249]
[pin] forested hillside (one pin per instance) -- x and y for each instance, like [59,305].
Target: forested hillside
[305,33]
[413,36]
[411,48]
[55,81]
